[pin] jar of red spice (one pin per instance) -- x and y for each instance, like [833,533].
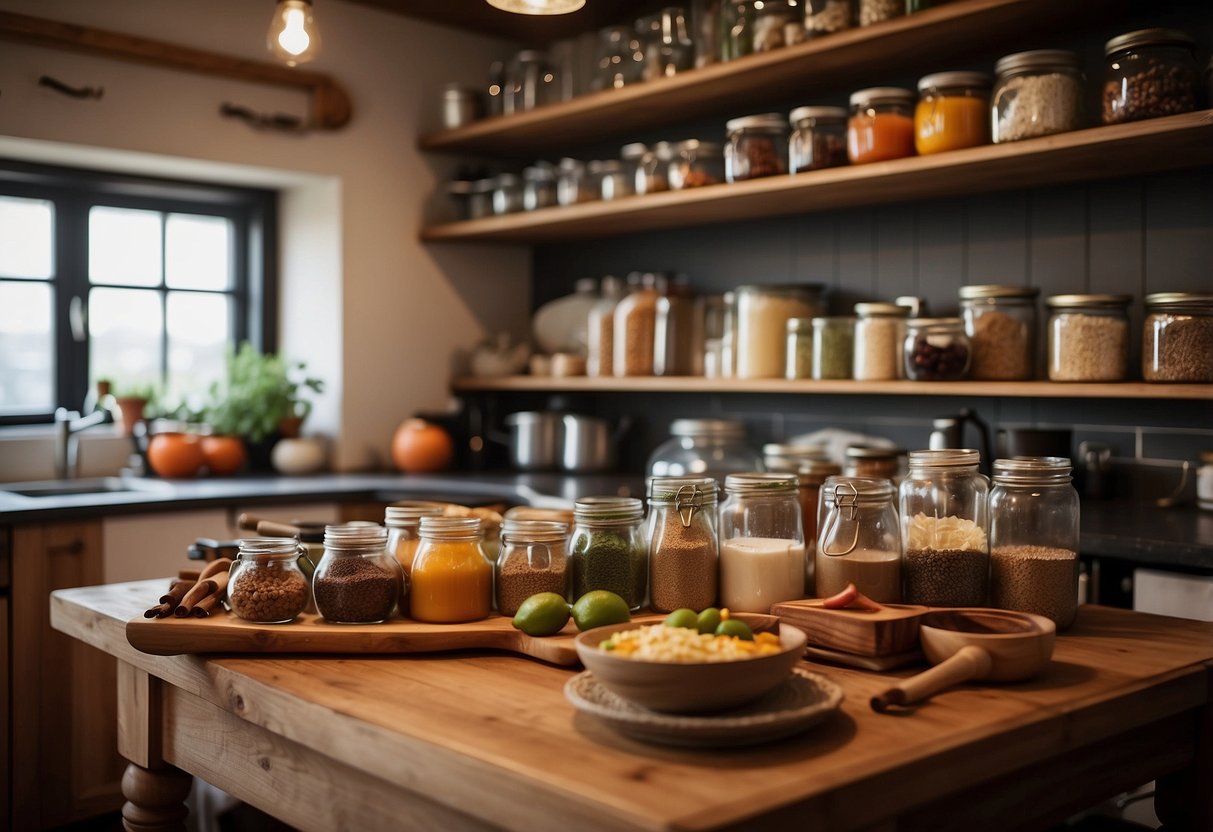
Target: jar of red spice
[757,146]
[881,125]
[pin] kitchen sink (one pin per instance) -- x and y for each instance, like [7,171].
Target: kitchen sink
[64,488]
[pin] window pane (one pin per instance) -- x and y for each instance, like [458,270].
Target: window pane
[199,330]
[26,249]
[124,328]
[198,252]
[27,350]
[124,246]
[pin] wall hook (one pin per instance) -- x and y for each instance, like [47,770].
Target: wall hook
[70,91]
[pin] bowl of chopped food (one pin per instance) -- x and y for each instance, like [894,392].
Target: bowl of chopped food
[679,669]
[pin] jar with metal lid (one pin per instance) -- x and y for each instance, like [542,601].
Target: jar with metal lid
[757,146]
[833,347]
[619,59]
[573,183]
[704,448]
[881,125]
[872,12]
[265,583]
[870,461]
[1034,538]
[636,328]
[799,348]
[859,541]
[460,106]
[612,178]
[677,334]
[608,549]
[824,17]
[666,38]
[357,581]
[684,552]
[695,164]
[652,168]
[1177,337]
[769,24]
[1036,93]
[819,138]
[812,473]
[944,509]
[534,558]
[531,81]
[1001,324]
[600,332]
[452,575]
[1149,73]
[783,458]
[953,111]
[403,531]
[1088,337]
[762,552]
[632,155]
[763,313]
[728,336]
[539,186]
[936,349]
[879,340]
[480,198]
[507,193]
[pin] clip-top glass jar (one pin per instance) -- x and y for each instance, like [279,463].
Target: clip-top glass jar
[819,138]
[1149,73]
[881,125]
[534,558]
[608,549]
[945,529]
[936,349]
[1001,324]
[265,584]
[357,581]
[762,552]
[757,146]
[704,448]
[403,534]
[684,552]
[452,575]
[953,111]
[859,540]
[1088,337]
[1177,338]
[1034,538]
[1037,93]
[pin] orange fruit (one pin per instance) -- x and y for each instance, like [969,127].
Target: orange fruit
[420,447]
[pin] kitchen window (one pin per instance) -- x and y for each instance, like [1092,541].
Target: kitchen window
[144,282]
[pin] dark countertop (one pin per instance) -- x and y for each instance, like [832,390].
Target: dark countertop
[1137,530]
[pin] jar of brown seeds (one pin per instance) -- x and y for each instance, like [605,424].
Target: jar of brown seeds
[684,550]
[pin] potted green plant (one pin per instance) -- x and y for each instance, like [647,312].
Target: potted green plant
[133,401]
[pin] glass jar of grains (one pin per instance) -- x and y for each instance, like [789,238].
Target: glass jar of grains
[936,349]
[833,347]
[1036,93]
[879,340]
[757,146]
[859,541]
[763,313]
[819,138]
[696,164]
[1001,324]
[534,558]
[799,348]
[881,125]
[953,112]
[704,448]
[868,461]
[600,331]
[266,584]
[357,581]
[1149,73]
[403,531]
[762,552]
[635,322]
[684,552]
[1177,337]
[1088,337]
[608,549]
[452,576]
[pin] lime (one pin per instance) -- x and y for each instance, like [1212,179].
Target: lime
[600,608]
[709,620]
[736,628]
[544,614]
[684,618]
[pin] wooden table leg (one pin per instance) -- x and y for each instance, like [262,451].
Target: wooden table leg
[155,799]
[1184,800]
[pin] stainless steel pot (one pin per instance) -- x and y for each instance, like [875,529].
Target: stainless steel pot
[589,444]
[534,440]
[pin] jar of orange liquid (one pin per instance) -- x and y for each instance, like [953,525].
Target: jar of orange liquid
[452,577]
[953,111]
[881,125]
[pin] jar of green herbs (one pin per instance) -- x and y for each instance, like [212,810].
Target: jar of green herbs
[608,549]
[833,347]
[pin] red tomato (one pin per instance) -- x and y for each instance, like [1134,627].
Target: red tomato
[225,455]
[419,447]
[175,455]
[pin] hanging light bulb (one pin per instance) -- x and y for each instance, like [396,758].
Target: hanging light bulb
[537,6]
[293,37]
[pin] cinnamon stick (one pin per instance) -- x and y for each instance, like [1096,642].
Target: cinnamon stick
[204,607]
[170,600]
[190,575]
[215,585]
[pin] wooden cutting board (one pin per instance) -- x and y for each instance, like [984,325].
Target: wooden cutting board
[888,631]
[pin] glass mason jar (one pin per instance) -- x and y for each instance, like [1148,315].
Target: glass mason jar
[666,39]
[728,335]
[1088,337]
[833,347]
[265,584]
[1001,324]
[534,558]
[867,461]
[539,186]
[1149,73]
[1177,337]
[859,540]
[881,125]
[757,146]
[879,340]
[612,178]
[812,473]
[530,82]
[573,183]
[403,532]
[452,575]
[507,193]
[608,548]
[824,17]
[632,155]
[636,329]
[600,333]
[936,349]
[480,199]
[762,552]
[819,138]
[786,459]
[704,448]
[878,11]
[799,348]
[620,59]
[684,552]
[1034,538]
[945,525]
[953,112]
[696,164]
[768,24]
[357,581]
[678,334]
[763,313]
[1036,93]
[652,169]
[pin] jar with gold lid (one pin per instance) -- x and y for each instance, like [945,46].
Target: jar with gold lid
[1177,339]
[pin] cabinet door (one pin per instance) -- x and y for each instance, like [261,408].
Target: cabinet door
[5,746]
[65,764]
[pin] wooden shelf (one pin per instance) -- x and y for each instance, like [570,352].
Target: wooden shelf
[922,42]
[1097,153]
[980,389]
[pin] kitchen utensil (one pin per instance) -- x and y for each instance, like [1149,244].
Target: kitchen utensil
[974,643]
[948,432]
[1013,442]
[589,443]
[534,440]
[1177,496]
[1095,459]
[889,631]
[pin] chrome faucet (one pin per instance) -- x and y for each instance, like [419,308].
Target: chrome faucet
[67,446]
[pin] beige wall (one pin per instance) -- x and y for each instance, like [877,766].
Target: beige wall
[373,311]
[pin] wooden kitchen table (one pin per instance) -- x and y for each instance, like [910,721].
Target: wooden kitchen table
[484,741]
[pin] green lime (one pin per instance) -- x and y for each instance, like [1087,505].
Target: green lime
[733,627]
[684,618]
[600,608]
[708,620]
[544,614]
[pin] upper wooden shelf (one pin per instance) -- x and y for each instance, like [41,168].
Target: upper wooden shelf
[696,384]
[1100,152]
[923,42]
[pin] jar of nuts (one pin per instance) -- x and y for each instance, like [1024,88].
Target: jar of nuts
[266,584]
[696,164]
[757,146]
[936,349]
[820,138]
[1149,73]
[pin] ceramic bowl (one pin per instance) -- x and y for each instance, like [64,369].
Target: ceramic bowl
[688,688]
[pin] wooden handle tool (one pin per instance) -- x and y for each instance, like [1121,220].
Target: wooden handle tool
[968,663]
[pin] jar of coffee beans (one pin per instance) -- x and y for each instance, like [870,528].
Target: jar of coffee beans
[1149,73]
[684,551]
[357,581]
[1177,337]
[534,558]
[266,584]
[936,349]
[608,549]
[757,146]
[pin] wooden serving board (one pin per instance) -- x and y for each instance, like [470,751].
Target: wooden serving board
[891,630]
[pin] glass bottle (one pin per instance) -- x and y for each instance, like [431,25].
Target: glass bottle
[403,532]
[668,49]
[266,584]
[636,329]
[677,338]
[757,146]
[953,112]
[819,138]
[530,82]
[452,576]
[799,348]
[620,58]
[1148,74]
[833,347]
[936,349]
[879,340]
[762,551]
[1088,337]
[859,540]
[763,312]
[357,581]
[608,549]
[684,551]
[600,340]
[695,164]
[704,448]
[1177,337]
[881,125]
[1036,93]
[944,504]
[534,558]
[1001,324]
[1034,538]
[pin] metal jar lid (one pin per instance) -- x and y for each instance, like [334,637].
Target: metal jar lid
[882,95]
[840,489]
[1044,59]
[881,310]
[762,121]
[1148,37]
[1082,301]
[997,290]
[813,289]
[951,80]
[608,509]
[533,531]
[634,151]
[761,483]
[705,428]
[1201,302]
[949,458]
[1023,470]
[406,516]
[819,113]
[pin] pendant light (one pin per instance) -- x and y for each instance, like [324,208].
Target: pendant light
[537,6]
[293,37]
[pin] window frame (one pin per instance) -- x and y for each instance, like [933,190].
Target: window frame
[254,216]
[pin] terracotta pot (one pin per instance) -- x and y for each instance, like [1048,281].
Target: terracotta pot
[132,412]
[290,427]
